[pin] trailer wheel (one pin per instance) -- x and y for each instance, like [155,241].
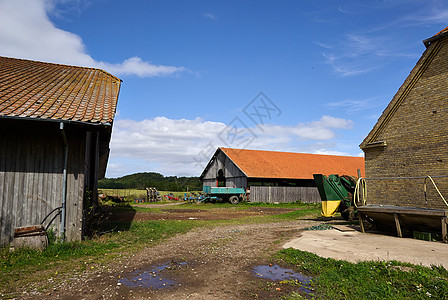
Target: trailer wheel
[234,200]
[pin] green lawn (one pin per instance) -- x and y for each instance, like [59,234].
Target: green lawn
[337,279]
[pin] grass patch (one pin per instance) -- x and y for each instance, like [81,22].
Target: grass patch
[310,210]
[124,192]
[141,233]
[336,279]
[11,260]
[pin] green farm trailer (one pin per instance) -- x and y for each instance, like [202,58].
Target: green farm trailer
[233,195]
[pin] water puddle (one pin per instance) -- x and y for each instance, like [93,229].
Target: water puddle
[152,278]
[275,272]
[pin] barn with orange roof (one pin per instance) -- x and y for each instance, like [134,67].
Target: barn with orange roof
[273,176]
[56,123]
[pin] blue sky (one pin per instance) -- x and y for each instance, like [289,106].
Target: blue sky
[301,76]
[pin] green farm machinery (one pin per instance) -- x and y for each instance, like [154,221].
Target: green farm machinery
[337,195]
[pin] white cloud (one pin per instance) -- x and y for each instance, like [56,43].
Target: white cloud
[431,12]
[352,106]
[136,66]
[26,31]
[369,48]
[329,152]
[210,16]
[358,54]
[183,147]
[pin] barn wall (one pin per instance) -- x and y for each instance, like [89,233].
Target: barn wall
[284,194]
[416,135]
[31,164]
[75,186]
[233,175]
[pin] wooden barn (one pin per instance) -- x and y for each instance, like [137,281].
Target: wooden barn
[55,128]
[273,176]
[406,151]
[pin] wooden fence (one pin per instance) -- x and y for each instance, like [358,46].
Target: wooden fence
[284,194]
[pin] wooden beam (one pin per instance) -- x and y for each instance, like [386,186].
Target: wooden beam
[444,230]
[390,209]
[361,223]
[397,224]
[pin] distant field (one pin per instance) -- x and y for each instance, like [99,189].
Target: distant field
[136,193]
[123,192]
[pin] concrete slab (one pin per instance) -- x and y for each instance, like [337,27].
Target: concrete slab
[354,246]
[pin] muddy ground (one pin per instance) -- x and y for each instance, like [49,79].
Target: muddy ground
[206,263]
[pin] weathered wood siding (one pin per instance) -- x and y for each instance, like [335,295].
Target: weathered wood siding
[233,175]
[31,164]
[284,194]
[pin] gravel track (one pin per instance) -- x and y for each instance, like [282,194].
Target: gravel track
[218,265]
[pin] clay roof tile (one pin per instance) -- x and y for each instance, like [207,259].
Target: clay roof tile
[289,165]
[33,89]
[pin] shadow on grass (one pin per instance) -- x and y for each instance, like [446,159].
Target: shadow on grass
[110,219]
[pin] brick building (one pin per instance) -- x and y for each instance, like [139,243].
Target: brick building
[410,139]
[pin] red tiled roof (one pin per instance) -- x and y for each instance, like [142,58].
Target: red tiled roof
[32,89]
[442,31]
[288,165]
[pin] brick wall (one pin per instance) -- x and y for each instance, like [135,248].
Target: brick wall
[415,129]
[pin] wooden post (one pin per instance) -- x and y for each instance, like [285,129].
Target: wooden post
[361,222]
[444,230]
[397,224]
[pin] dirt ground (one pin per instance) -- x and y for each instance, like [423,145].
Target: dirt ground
[200,214]
[206,263]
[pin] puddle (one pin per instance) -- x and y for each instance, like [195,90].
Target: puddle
[275,272]
[152,278]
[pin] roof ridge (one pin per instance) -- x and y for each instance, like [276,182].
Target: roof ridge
[62,65]
[302,153]
[442,33]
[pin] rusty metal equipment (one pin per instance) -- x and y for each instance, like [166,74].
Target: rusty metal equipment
[171,197]
[33,237]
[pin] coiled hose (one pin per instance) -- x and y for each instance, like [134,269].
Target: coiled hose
[360,190]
